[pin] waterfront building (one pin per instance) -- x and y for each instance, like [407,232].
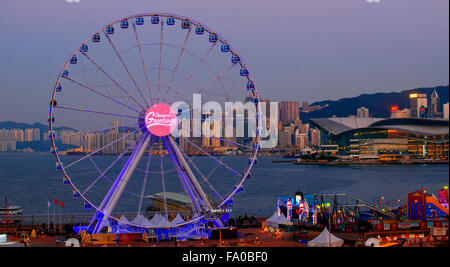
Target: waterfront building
[285,139]
[397,113]
[416,102]
[304,128]
[362,112]
[115,127]
[388,139]
[301,140]
[289,111]
[7,144]
[445,111]
[32,134]
[433,111]
[314,137]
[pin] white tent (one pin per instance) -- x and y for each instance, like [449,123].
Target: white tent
[326,239]
[276,220]
[141,220]
[123,220]
[177,220]
[156,219]
[165,223]
[160,221]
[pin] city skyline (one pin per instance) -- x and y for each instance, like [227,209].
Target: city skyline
[52,39]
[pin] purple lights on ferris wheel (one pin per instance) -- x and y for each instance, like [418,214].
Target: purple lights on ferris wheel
[131,91]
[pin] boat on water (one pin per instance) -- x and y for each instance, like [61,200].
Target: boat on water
[11,210]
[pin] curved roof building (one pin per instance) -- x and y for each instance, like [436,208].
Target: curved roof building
[420,138]
[425,127]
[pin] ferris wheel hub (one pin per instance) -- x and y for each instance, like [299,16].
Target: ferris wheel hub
[160,119]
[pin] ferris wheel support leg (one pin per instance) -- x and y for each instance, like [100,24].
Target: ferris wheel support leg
[205,201]
[121,182]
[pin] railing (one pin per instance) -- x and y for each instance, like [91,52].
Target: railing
[360,202]
[77,218]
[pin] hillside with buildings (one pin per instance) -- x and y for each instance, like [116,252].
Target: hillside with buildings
[379,104]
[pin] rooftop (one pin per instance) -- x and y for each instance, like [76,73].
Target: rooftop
[426,127]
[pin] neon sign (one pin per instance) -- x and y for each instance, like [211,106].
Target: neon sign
[160,119]
[289,209]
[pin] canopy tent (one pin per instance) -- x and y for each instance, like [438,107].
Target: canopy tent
[276,220]
[160,221]
[123,220]
[326,239]
[177,220]
[165,223]
[155,220]
[141,220]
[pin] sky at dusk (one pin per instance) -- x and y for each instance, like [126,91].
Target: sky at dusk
[304,50]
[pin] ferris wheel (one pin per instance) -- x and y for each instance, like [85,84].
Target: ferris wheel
[131,148]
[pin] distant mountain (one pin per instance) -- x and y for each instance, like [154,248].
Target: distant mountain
[379,104]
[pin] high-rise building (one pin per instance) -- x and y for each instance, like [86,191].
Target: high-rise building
[314,137]
[433,111]
[301,139]
[305,105]
[403,113]
[304,128]
[298,123]
[416,101]
[289,111]
[285,139]
[362,112]
[114,127]
[445,111]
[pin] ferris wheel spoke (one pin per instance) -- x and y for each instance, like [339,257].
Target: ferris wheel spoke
[144,182]
[213,158]
[126,68]
[182,160]
[217,100]
[217,138]
[202,197]
[100,93]
[109,202]
[177,64]
[143,62]
[97,112]
[224,89]
[100,149]
[161,167]
[160,57]
[113,80]
[102,174]
[188,188]
[201,175]
[203,86]
[202,60]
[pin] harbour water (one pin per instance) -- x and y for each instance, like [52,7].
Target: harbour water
[30,180]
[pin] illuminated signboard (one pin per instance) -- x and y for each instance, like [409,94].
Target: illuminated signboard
[289,209]
[412,95]
[394,108]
